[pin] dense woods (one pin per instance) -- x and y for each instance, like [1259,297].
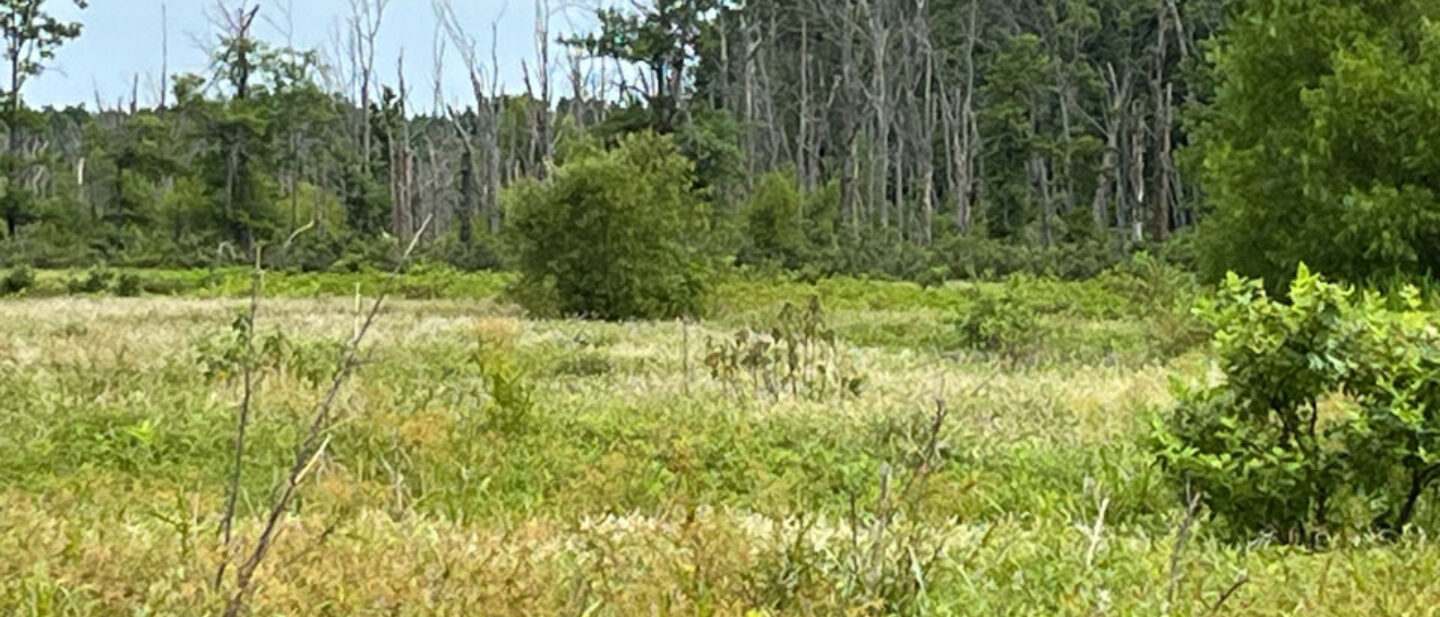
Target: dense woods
[918,134]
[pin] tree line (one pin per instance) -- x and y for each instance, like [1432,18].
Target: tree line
[903,137]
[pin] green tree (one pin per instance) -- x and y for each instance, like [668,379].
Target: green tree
[1319,143]
[31,36]
[774,221]
[611,234]
[1016,76]
[141,159]
[664,37]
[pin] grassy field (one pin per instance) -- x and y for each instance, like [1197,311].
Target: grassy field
[481,463]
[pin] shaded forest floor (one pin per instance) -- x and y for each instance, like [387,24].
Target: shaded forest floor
[613,475]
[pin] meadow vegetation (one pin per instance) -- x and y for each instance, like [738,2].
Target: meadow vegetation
[485,462]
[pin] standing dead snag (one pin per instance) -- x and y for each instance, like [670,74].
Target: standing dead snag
[480,131]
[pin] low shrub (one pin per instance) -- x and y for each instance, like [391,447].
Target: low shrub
[798,356]
[1002,319]
[226,356]
[128,285]
[509,407]
[1328,421]
[95,280]
[17,281]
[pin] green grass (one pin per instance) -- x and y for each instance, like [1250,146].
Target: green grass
[621,479]
[419,283]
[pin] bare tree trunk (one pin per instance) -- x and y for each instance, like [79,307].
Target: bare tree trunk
[295,167]
[850,206]
[880,101]
[164,56]
[967,145]
[466,205]
[901,215]
[802,134]
[1041,177]
[1109,182]
[238,159]
[927,126]
[750,44]
[1136,213]
[538,151]
[1159,211]
[400,163]
[366,18]
[542,120]
[17,79]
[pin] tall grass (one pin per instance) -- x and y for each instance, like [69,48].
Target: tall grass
[488,464]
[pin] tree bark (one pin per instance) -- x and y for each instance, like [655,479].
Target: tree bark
[1158,213]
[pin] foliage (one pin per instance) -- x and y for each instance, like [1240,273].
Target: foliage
[774,222]
[1326,422]
[1003,319]
[225,357]
[31,37]
[974,257]
[661,38]
[1320,149]
[1018,72]
[128,285]
[17,280]
[800,356]
[645,489]
[612,234]
[95,280]
[585,364]
[509,408]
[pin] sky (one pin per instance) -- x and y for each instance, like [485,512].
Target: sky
[123,39]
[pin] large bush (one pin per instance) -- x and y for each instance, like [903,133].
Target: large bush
[612,234]
[1328,420]
[1319,144]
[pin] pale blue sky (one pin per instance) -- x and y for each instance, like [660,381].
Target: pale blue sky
[122,39]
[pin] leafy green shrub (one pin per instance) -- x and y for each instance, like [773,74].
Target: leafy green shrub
[17,280]
[1329,417]
[1150,285]
[610,234]
[510,407]
[128,285]
[226,356]
[1162,297]
[483,252]
[974,256]
[1001,319]
[96,280]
